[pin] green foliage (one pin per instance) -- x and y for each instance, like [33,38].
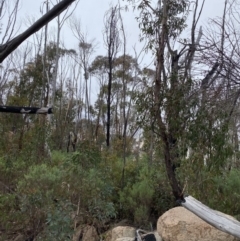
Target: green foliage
[147,194]
[90,186]
[228,192]
[150,20]
[40,188]
[88,154]
[58,223]
[9,210]
[98,193]
[102,210]
[136,200]
[41,177]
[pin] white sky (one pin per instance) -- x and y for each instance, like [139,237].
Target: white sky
[91,13]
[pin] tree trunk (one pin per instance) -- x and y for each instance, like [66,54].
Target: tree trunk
[112,40]
[213,217]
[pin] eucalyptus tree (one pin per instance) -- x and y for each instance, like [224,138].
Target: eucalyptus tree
[99,70]
[143,101]
[222,41]
[189,95]
[86,49]
[127,73]
[9,21]
[8,28]
[28,85]
[162,24]
[10,43]
[112,41]
[185,106]
[60,23]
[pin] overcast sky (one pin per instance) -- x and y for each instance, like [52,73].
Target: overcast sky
[91,13]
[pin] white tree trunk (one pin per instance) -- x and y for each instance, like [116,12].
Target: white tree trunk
[216,219]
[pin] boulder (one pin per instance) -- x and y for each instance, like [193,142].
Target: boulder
[126,233]
[85,233]
[121,233]
[179,224]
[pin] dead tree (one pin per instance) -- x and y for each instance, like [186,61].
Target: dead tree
[112,42]
[72,141]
